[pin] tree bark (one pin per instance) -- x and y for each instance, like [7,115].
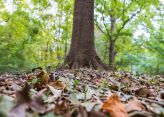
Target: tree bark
[112,51]
[82,52]
[112,55]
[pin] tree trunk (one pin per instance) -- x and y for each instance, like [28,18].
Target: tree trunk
[112,55]
[112,51]
[82,52]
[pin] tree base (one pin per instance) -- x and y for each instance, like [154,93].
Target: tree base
[93,62]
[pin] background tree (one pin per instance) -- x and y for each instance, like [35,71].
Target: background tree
[38,35]
[113,18]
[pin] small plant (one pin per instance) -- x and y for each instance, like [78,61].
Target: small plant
[76,82]
[105,83]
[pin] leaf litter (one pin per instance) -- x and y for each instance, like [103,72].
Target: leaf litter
[81,93]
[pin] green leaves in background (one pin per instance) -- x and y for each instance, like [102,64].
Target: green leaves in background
[38,32]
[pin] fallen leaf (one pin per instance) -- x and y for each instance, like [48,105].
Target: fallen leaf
[94,113]
[89,105]
[51,114]
[24,101]
[23,95]
[82,112]
[134,105]
[37,103]
[73,98]
[140,114]
[62,108]
[161,93]
[43,77]
[114,107]
[58,85]
[144,92]
[56,93]
[6,103]
[89,92]
[18,111]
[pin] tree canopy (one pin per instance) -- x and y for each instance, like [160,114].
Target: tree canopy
[38,33]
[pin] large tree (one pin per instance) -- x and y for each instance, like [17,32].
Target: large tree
[82,51]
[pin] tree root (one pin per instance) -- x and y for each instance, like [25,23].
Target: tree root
[94,62]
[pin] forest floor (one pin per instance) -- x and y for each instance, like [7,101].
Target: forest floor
[81,93]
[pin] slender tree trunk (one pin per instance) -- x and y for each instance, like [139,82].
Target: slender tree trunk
[106,50]
[59,36]
[50,50]
[57,52]
[65,50]
[82,52]
[112,51]
[46,51]
[66,44]
[112,55]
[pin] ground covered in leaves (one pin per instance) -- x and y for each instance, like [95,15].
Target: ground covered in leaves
[81,93]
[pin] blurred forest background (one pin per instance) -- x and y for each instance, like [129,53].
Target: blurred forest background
[38,33]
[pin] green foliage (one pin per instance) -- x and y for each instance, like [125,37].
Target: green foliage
[26,39]
[135,56]
[32,36]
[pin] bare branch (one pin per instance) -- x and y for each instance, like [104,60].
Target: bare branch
[106,28]
[125,22]
[123,12]
[96,23]
[103,19]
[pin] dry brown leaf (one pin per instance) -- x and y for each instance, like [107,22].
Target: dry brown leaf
[94,113]
[115,107]
[144,92]
[133,105]
[58,85]
[35,103]
[62,108]
[23,95]
[161,93]
[82,112]
[43,77]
